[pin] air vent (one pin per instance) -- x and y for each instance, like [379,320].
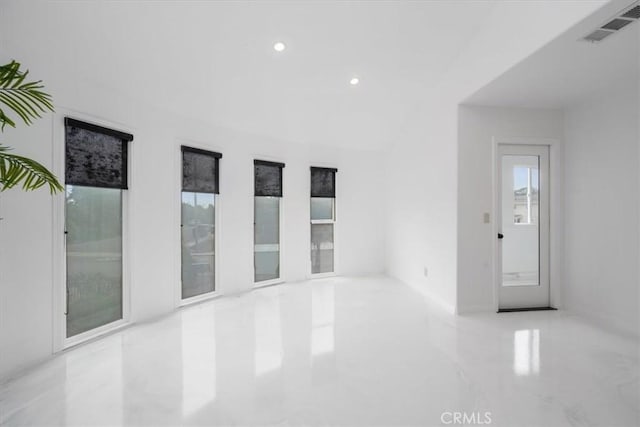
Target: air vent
[633,13]
[627,16]
[616,24]
[598,35]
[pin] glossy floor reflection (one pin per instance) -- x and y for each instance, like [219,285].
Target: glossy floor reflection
[366,351]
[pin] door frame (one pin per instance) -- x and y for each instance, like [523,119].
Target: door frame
[556,212]
[59,271]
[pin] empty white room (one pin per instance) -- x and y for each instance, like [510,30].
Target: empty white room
[320,213]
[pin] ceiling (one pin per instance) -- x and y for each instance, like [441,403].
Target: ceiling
[568,69]
[215,62]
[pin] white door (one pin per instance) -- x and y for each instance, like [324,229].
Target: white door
[523,226]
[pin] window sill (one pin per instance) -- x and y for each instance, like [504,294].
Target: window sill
[322,275]
[198,298]
[95,333]
[266,283]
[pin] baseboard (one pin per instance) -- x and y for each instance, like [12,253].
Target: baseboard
[511,310]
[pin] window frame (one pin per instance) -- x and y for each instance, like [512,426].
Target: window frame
[333,221]
[217,201]
[59,269]
[257,159]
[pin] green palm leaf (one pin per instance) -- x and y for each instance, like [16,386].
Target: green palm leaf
[15,170]
[28,102]
[26,99]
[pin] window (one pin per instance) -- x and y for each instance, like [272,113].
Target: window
[268,193]
[200,179]
[95,180]
[526,187]
[323,218]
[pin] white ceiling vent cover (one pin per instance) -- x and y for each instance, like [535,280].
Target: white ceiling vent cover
[627,16]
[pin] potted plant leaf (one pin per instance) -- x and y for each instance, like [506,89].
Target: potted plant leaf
[27,101]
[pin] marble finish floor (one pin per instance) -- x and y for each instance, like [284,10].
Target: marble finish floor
[340,351]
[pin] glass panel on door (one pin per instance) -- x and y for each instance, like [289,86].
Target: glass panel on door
[267,238]
[94,257]
[198,243]
[520,220]
[321,248]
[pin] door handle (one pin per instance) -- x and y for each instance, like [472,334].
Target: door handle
[500,236]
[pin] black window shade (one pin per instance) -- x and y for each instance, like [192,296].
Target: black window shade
[323,182]
[268,178]
[95,156]
[200,171]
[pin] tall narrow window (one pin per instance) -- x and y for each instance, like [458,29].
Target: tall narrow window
[95,179]
[268,193]
[323,218]
[200,179]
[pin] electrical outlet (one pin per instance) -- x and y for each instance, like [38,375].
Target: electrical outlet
[486,218]
[426,272]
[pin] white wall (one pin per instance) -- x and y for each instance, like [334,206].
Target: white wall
[478,127]
[421,226]
[602,217]
[28,249]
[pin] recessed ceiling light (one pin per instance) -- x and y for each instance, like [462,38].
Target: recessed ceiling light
[354,81]
[279,46]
